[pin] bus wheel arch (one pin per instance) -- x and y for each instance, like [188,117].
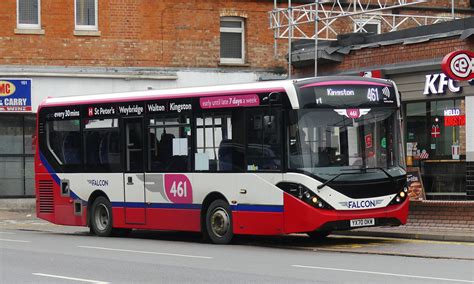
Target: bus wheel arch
[216,219]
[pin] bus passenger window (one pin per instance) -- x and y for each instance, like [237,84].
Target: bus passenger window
[216,150]
[102,145]
[64,141]
[169,141]
[263,140]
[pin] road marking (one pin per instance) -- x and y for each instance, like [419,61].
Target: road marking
[7,233]
[17,241]
[383,273]
[395,240]
[148,252]
[70,278]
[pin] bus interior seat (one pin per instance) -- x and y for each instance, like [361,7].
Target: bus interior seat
[177,163]
[92,144]
[104,150]
[71,148]
[225,155]
[165,147]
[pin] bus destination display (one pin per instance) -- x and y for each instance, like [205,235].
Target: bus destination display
[347,95]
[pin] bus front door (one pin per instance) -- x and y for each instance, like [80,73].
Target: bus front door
[134,177]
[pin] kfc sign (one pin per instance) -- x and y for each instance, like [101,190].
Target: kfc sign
[436,84]
[459,65]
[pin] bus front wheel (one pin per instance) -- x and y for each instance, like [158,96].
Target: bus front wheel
[219,222]
[101,217]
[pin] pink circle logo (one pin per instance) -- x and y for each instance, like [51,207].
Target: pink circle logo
[178,188]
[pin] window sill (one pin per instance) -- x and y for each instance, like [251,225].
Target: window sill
[86,33]
[234,64]
[29,31]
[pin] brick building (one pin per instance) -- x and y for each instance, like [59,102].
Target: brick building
[79,47]
[64,48]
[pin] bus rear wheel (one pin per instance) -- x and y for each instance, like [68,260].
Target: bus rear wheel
[219,222]
[101,217]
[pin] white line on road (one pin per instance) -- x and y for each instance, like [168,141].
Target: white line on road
[383,273]
[148,252]
[17,241]
[7,233]
[70,278]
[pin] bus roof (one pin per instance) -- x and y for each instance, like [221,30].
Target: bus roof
[287,86]
[187,92]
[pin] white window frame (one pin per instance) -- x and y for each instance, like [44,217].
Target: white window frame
[240,30]
[27,26]
[87,27]
[360,23]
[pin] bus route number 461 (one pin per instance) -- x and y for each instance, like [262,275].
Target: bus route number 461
[178,188]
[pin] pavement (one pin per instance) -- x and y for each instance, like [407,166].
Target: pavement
[25,218]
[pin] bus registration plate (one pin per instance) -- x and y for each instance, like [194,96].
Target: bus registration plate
[362,222]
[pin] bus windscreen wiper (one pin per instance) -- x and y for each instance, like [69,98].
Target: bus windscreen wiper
[332,179]
[383,170]
[364,170]
[361,170]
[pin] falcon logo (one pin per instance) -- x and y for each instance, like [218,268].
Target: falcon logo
[353,112]
[361,204]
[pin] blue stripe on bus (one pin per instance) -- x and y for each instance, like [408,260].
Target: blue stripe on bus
[50,169]
[257,208]
[240,207]
[156,205]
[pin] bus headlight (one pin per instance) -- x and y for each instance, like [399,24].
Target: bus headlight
[304,194]
[400,197]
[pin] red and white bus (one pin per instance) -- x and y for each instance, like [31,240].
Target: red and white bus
[309,156]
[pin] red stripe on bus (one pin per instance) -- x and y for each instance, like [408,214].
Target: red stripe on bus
[258,223]
[161,219]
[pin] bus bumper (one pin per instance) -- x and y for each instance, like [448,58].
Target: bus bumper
[300,217]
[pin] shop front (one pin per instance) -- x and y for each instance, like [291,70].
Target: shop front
[17,129]
[435,132]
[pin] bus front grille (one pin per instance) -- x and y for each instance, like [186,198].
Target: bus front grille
[46,196]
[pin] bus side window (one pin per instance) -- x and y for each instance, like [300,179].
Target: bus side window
[217,148]
[102,145]
[63,141]
[169,142]
[263,140]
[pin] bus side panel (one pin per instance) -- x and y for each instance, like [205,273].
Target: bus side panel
[50,204]
[257,223]
[162,219]
[53,207]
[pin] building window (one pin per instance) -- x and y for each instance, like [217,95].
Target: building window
[436,143]
[28,14]
[232,40]
[367,26]
[86,14]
